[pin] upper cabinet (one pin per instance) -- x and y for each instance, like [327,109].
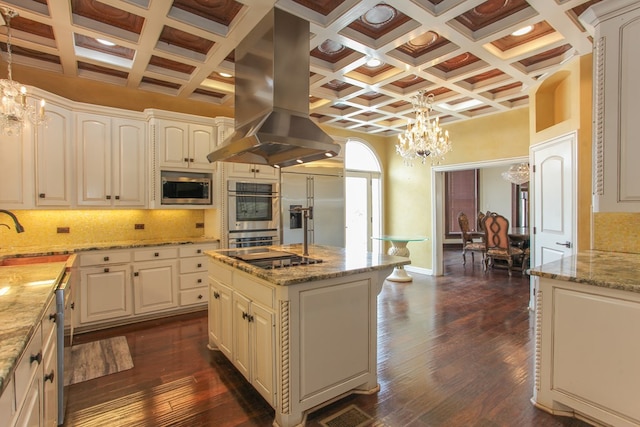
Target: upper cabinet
[54,158]
[16,170]
[616,30]
[184,145]
[111,153]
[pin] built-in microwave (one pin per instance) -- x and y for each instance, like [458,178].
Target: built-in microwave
[185,188]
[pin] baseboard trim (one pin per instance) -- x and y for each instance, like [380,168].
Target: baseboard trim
[419,270]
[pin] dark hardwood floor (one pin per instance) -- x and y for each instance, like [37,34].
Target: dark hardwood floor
[453,351]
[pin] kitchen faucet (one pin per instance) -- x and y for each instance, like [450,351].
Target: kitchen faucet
[307,214]
[19,227]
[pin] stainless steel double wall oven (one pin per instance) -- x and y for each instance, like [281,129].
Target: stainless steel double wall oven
[253,213]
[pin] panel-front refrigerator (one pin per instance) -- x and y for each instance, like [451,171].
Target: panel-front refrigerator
[325,193]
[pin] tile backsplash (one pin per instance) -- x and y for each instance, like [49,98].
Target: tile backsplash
[72,227]
[616,231]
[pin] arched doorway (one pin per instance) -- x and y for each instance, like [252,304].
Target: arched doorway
[363,196]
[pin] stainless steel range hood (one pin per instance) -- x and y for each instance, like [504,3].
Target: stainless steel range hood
[272,98]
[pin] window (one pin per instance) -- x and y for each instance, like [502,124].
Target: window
[462,194]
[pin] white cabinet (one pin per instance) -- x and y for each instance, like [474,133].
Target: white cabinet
[245,170]
[54,158]
[111,161]
[8,401]
[105,286]
[243,328]
[16,170]
[155,283]
[193,274]
[28,379]
[616,102]
[184,145]
[220,309]
[50,367]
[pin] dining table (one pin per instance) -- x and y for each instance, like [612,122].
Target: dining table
[399,248]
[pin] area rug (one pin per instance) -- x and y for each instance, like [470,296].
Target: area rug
[351,416]
[97,359]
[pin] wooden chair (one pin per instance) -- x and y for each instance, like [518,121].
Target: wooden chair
[481,216]
[467,239]
[498,243]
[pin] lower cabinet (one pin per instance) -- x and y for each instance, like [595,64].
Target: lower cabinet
[118,286]
[220,308]
[31,396]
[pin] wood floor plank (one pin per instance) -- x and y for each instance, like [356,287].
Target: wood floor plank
[453,351]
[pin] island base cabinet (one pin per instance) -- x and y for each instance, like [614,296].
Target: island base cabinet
[587,352]
[301,346]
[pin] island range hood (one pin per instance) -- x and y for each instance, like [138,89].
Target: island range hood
[272,98]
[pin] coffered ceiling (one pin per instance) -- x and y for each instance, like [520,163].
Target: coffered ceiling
[462,51]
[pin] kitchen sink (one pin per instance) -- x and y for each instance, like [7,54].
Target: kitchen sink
[37,259]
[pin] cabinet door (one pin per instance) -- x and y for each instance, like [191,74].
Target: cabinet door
[129,163]
[93,146]
[201,143]
[262,323]
[31,410]
[245,170]
[266,172]
[173,141]
[220,317]
[16,167]
[54,158]
[105,293]
[155,286]
[241,355]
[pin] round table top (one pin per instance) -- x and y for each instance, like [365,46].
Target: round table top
[391,238]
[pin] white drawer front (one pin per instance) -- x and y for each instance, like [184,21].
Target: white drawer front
[30,361]
[155,253]
[193,265]
[194,296]
[193,280]
[100,258]
[187,251]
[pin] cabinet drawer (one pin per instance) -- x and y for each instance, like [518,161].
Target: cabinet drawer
[28,364]
[193,265]
[194,296]
[193,280]
[49,322]
[155,253]
[220,272]
[7,401]
[254,290]
[101,258]
[195,250]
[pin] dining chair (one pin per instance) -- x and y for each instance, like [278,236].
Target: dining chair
[467,240]
[498,243]
[481,216]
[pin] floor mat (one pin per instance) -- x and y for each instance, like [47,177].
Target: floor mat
[97,359]
[351,416]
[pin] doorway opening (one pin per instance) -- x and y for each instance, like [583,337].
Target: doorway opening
[363,197]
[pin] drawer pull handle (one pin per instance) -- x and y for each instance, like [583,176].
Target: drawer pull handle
[106,270]
[36,358]
[49,377]
[109,197]
[106,258]
[156,254]
[216,295]
[199,265]
[136,274]
[53,317]
[199,251]
[199,296]
[73,305]
[199,280]
[42,195]
[117,197]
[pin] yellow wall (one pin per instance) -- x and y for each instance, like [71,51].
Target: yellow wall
[408,188]
[88,227]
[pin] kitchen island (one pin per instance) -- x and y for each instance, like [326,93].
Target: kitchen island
[303,331]
[588,337]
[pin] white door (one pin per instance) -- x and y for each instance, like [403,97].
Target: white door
[554,199]
[362,206]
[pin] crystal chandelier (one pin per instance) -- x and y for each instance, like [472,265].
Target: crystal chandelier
[15,108]
[423,138]
[517,174]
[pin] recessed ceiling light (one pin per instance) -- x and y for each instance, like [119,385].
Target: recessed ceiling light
[105,42]
[374,62]
[225,75]
[522,31]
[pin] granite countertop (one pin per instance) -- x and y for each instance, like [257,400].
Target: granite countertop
[615,270]
[25,292]
[122,244]
[336,262]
